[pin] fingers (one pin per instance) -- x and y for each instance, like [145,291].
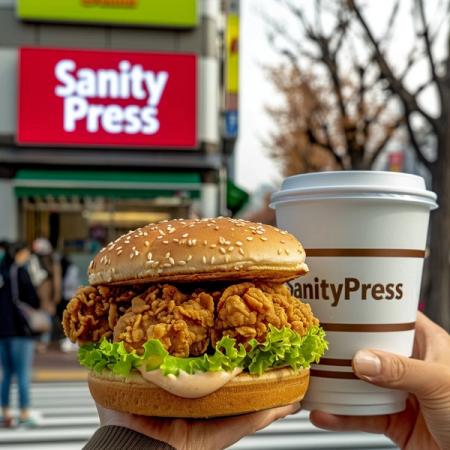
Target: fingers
[264,418]
[372,424]
[431,343]
[229,430]
[399,372]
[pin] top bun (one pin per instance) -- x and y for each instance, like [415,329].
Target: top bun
[199,250]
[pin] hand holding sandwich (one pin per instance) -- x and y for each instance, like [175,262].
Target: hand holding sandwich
[184,434]
[425,423]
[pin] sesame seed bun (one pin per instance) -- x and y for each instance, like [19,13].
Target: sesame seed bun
[243,394]
[199,250]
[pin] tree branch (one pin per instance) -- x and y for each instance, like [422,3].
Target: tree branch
[410,102]
[428,48]
[387,137]
[414,142]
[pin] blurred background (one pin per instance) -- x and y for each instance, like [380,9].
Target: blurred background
[117,113]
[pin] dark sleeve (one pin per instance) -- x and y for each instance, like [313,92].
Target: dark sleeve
[112,437]
[27,292]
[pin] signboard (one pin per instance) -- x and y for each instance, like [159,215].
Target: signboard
[107,98]
[232,69]
[173,13]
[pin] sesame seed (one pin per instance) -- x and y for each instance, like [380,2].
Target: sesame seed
[159,237]
[213,246]
[280,251]
[161,232]
[167,255]
[189,258]
[182,263]
[249,238]
[204,259]
[227,258]
[263,238]
[120,252]
[136,252]
[165,242]
[283,232]
[282,242]
[103,249]
[212,259]
[145,233]
[147,244]
[167,265]
[241,251]
[236,267]
[222,240]
[259,231]
[286,251]
[194,241]
[216,227]
[239,243]
[185,235]
[172,261]
[205,242]
[176,240]
[131,255]
[171,230]
[230,249]
[222,250]
[149,256]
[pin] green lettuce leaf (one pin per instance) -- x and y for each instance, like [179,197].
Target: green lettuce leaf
[281,348]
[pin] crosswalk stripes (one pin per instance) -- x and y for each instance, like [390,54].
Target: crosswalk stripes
[67,417]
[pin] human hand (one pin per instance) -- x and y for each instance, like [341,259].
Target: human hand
[191,434]
[425,423]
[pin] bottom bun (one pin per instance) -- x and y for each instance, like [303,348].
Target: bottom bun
[243,394]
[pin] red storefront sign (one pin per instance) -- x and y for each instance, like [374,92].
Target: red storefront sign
[107,98]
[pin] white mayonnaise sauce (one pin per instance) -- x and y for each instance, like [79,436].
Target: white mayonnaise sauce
[187,385]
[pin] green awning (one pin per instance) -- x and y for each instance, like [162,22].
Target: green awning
[42,183]
[237,198]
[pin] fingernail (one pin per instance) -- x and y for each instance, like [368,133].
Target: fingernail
[366,364]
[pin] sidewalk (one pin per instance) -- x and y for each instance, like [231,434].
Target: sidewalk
[55,365]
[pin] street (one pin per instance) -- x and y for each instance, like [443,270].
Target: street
[67,418]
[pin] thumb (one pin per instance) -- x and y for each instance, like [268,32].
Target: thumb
[423,379]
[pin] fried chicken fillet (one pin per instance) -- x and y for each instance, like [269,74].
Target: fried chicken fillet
[187,322]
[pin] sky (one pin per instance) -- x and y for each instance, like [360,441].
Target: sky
[253,164]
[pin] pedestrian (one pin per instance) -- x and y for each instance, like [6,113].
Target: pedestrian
[45,272]
[70,284]
[16,340]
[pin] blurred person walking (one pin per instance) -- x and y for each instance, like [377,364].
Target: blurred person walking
[16,339]
[45,272]
[70,284]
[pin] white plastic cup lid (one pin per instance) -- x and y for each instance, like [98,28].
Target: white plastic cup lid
[355,184]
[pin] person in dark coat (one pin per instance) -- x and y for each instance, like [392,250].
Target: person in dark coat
[16,340]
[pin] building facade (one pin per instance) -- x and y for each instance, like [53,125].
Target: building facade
[114,114]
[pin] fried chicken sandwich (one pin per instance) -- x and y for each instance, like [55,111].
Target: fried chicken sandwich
[191,318]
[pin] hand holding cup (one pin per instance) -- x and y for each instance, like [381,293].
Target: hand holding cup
[425,423]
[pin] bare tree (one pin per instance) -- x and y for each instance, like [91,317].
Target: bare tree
[347,52]
[334,100]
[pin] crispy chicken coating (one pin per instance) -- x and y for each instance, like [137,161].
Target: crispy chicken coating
[179,321]
[94,311]
[245,311]
[185,323]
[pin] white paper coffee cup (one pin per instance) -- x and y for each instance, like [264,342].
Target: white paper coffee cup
[365,238]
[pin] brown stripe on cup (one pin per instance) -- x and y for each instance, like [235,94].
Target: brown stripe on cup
[335,362]
[333,374]
[366,252]
[368,327]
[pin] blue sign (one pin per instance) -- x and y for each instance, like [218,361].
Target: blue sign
[231,124]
